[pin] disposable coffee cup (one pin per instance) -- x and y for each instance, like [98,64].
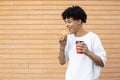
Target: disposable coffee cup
[77,49]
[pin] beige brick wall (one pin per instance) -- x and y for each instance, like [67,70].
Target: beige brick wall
[29,37]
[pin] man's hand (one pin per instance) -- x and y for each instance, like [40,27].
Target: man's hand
[82,47]
[63,38]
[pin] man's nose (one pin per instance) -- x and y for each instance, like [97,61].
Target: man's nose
[67,25]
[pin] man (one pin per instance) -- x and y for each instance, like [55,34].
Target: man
[86,58]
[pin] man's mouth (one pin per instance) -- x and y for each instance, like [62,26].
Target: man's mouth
[70,30]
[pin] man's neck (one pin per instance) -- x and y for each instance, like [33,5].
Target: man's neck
[81,33]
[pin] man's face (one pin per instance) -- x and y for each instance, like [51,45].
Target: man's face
[72,25]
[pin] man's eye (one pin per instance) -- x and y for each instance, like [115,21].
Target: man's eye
[69,21]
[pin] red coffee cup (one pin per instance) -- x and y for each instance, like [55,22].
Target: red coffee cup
[77,49]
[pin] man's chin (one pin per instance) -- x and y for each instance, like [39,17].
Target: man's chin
[71,32]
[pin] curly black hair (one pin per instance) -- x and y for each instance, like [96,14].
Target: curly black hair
[76,13]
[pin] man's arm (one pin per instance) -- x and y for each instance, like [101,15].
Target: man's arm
[96,59]
[62,42]
[61,56]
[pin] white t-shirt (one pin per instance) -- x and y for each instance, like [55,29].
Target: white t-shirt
[80,66]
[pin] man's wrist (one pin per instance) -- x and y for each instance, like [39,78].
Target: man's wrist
[62,48]
[88,52]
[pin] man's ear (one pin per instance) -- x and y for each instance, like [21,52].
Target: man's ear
[80,22]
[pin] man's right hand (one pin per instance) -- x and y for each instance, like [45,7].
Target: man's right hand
[62,40]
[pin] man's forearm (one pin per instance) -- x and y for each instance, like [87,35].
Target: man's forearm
[61,56]
[96,59]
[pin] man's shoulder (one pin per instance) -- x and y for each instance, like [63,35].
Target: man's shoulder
[92,34]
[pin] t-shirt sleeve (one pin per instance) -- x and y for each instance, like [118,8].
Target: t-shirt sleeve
[98,49]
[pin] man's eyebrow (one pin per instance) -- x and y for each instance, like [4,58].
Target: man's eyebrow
[67,20]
